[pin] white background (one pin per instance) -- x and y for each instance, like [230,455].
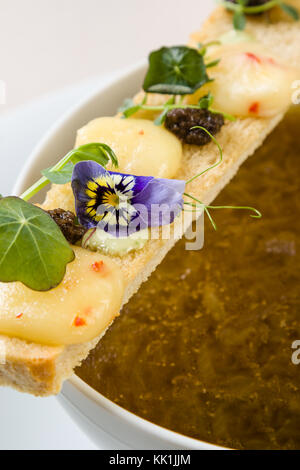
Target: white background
[48,44]
[52,53]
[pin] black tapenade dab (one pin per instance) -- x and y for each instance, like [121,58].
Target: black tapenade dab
[66,222]
[181,120]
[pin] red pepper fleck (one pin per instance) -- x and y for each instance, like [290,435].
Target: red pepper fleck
[88,310]
[254,108]
[19,315]
[97,266]
[253,57]
[79,321]
[141,132]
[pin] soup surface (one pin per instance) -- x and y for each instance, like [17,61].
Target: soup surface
[204,347]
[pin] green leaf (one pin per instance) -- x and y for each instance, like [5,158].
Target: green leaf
[129,108]
[127,103]
[214,63]
[98,152]
[206,101]
[32,248]
[290,10]
[59,176]
[177,70]
[239,20]
[161,118]
[130,111]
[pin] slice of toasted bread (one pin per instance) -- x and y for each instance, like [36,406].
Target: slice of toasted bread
[40,369]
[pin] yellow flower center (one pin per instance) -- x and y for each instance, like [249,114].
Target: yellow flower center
[112,199]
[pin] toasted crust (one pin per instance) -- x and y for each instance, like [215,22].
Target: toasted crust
[39,369]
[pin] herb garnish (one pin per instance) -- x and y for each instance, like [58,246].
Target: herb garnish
[177,70]
[241,8]
[129,107]
[61,173]
[32,247]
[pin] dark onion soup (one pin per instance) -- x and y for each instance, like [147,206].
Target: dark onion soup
[204,347]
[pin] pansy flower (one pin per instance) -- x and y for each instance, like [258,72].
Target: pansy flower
[122,204]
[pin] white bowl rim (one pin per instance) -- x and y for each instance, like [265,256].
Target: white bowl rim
[172,437]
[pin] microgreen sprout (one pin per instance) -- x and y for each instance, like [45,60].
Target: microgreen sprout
[202,49]
[241,8]
[62,171]
[199,205]
[129,107]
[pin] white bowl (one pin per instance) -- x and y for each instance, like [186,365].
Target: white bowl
[105,422]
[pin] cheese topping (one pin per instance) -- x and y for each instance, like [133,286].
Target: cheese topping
[78,310]
[249,81]
[143,148]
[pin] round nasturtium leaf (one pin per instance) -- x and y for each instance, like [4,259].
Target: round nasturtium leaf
[177,70]
[32,248]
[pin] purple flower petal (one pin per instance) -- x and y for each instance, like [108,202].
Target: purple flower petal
[162,199]
[140,181]
[121,203]
[83,173]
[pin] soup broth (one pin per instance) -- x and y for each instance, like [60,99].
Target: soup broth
[204,347]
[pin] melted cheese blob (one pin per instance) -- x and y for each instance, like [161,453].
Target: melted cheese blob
[78,310]
[142,148]
[249,81]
